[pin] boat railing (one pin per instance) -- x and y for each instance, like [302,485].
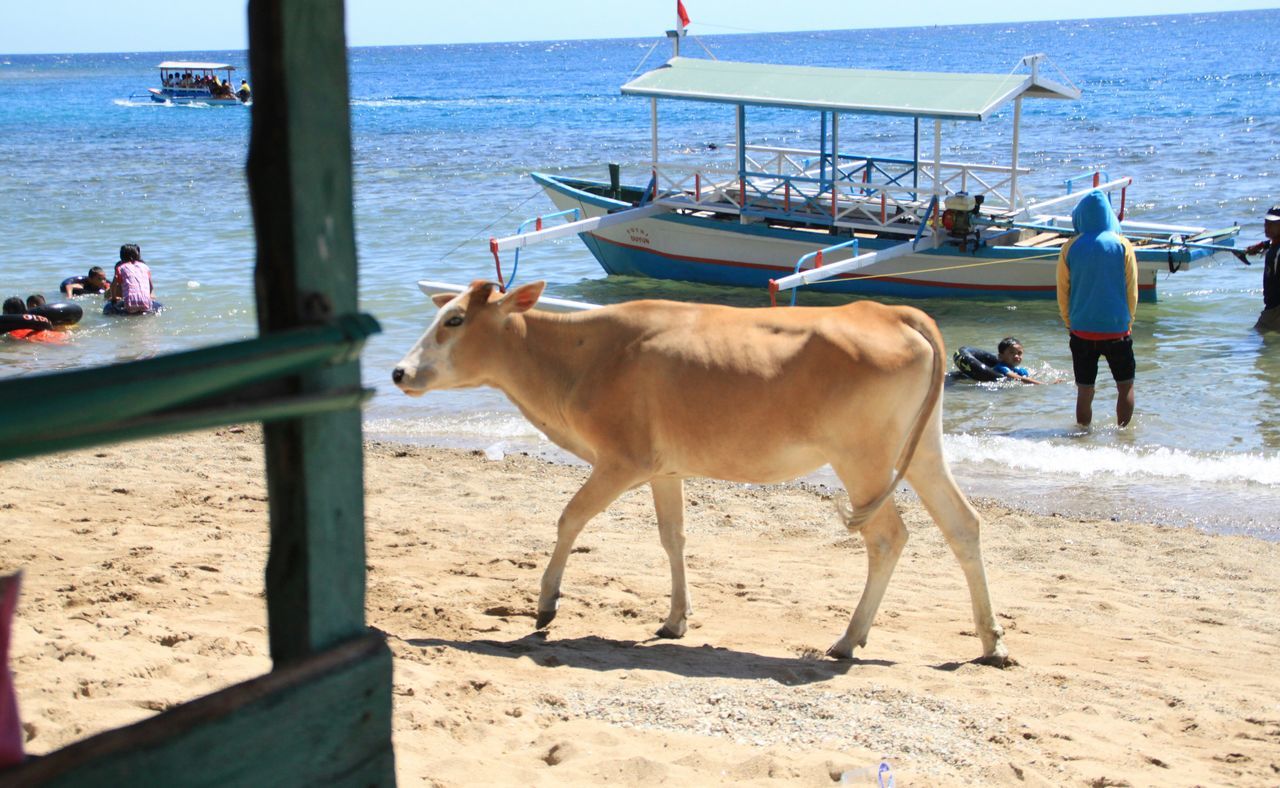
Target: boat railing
[873,193]
[704,185]
[805,198]
[993,181]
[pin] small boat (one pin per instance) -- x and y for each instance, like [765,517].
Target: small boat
[779,218]
[184,82]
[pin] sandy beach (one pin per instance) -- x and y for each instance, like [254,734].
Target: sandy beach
[1145,654]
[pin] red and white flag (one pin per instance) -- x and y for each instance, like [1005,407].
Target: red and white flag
[682,14]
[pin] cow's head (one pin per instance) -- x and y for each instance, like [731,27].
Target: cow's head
[457,349]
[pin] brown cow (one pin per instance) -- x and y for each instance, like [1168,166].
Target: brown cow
[657,391]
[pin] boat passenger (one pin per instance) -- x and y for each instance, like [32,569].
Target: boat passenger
[95,282]
[243,93]
[132,291]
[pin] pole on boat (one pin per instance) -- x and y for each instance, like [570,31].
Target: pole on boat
[835,165]
[1013,169]
[741,140]
[937,166]
[682,20]
[822,151]
[915,165]
[653,142]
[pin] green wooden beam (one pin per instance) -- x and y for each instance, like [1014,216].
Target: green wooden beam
[322,721]
[219,414]
[300,186]
[51,413]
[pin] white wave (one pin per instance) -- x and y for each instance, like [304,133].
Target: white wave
[389,102]
[488,426]
[1087,461]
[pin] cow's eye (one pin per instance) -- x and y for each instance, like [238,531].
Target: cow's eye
[454,321]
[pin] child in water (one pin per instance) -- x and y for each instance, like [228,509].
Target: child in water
[131,292]
[1010,353]
[95,282]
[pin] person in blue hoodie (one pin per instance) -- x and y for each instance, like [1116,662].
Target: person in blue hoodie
[1098,298]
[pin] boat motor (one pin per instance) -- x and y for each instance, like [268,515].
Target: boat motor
[957,217]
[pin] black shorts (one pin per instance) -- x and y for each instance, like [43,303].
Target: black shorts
[1118,352]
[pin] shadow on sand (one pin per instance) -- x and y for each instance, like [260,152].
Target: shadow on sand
[603,654]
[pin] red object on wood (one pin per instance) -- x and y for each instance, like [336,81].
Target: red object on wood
[10,726]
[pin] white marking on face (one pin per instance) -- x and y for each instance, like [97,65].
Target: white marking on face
[428,364]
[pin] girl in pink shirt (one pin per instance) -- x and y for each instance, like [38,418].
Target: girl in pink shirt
[131,290]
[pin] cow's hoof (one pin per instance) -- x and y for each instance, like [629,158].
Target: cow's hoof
[669,633]
[545,617]
[842,654]
[1001,661]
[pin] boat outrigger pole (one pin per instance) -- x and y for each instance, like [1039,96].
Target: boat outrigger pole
[523,240]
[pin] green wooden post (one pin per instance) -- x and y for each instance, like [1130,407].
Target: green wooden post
[300,186]
[323,715]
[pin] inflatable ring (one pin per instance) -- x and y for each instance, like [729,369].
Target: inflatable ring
[64,314]
[14,322]
[977,363]
[116,309]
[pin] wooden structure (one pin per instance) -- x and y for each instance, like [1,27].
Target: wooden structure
[322,716]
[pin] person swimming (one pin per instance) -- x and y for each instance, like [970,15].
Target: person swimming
[1009,352]
[94,282]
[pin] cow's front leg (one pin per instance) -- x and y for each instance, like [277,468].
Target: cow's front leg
[668,503]
[601,488]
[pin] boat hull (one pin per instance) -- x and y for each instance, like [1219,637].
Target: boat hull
[724,251]
[183,96]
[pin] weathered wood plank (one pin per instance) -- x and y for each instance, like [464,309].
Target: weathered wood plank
[300,185]
[323,720]
[48,415]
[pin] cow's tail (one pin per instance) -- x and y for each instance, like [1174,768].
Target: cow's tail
[853,518]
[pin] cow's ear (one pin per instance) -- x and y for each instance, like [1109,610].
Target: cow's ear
[523,297]
[440,299]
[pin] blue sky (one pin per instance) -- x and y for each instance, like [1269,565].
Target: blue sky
[47,26]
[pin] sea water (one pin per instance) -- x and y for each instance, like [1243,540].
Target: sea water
[444,138]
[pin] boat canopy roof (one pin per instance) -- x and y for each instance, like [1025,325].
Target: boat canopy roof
[191,66]
[924,94]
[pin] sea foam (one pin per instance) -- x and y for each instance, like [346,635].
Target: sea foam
[1087,461]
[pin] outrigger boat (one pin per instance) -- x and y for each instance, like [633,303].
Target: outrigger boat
[183,82]
[780,218]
